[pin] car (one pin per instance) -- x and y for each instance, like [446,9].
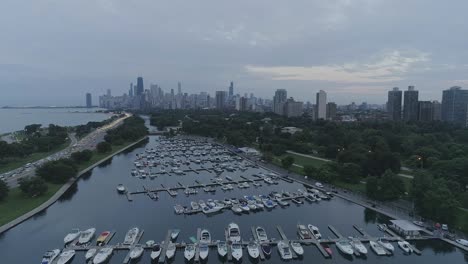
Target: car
[445,227]
[318,184]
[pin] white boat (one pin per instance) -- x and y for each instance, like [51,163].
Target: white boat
[266,248]
[194,205]
[49,256]
[253,250]
[66,256]
[268,180]
[102,255]
[386,244]
[90,253]
[315,231]
[462,242]
[136,252]
[405,246]
[236,209]
[284,250]
[131,236]
[358,246]
[189,252]
[205,236]
[171,249]
[297,247]
[303,232]
[233,233]
[120,188]
[150,243]
[175,233]
[209,209]
[204,250]
[222,248]
[75,233]
[377,248]
[236,249]
[345,247]
[261,234]
[86,235]
[155,252]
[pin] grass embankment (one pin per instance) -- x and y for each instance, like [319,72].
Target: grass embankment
[17,203]
[462,220]
[31,158]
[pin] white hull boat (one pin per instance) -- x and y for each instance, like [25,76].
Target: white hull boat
[131,236]
[86,235]
[386,244]
[136,252]
[358,246]
[205,236]
[405,246]
[377,248]
[233,232]
[284,250]
[261,234]
[66,256]
[315,231]
[102,255]
[189,252]
[74,234]
[345,247]
[90,253]
[175,234]
[155,252]
[297,248]
[253,249]
[236,249]
[222,248]
[171,249]
[204,250]
[49,256]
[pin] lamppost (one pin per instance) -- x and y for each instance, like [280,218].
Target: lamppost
[422,162]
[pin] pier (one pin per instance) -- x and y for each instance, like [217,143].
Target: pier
[284,238]
[254,234]
[197,247]
[130,247]
[164,245]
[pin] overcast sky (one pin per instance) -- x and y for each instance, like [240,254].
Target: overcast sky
[54,51]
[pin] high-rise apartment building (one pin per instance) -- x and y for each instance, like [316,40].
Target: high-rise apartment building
[292,108]
[89,102]
[455,105]
[331,111]
[410,106]
[231,90]
[139,87]
[436,110]
[221,99]
[425,112]
[278,101]
[321,102]
[394,104]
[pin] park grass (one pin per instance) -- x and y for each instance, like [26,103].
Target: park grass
[304,161]
[461,222]
[17,203]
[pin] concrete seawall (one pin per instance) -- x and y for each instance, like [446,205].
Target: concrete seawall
[61,191]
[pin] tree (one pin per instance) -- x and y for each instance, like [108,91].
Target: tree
[82,156]
[3,190]
[31,129]
[267,157]
[310,170]
[287,162]
[33,187]
[350,172]
[372,187]
[391,186]
[58,171]
[103,147]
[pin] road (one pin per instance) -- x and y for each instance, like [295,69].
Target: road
[88,142]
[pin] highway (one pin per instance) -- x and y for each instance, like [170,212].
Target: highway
[88,142]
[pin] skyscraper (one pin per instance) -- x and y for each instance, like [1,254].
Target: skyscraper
[243,104]
[331,111]
[292,108]
[231,89]
[425,113]
[221,99]
[455,105]
[436,110]
[139,86]
[321,102]
[410,107]
[109,93]
[179,88]
[89,102]
[278,101]
[130,91]
[394,104]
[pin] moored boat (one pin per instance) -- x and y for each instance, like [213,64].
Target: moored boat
[86,235]
[131,236]
[405,246]
[102,255]
[75,233]
[358,246]
[222,248]
[386,244]
[65,256]
[49,256]
[315,231]
[136,252]
[303,232]
[102,238]
[90,253]
[189,252]
[233,233]
[204,250]
[253,250]
[297,247]
[205,236]
[236,249]
[261,234]
[266,248]
[377,248]
[155,252]
[284,250]
[171,249]
[344,246]
[120,188]
[174,233]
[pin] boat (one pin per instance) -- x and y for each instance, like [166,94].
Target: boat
[227,201]
[131,236]
[174,233]
[261,234]
[204,250]
[462,242]
[194,205]
[209,209]
[297,201]
[102,255]
[90,253]
[269,203]
[150,243]
[156,251]
[179,209]
[205,236]
[266,248]
[189,252]
[171,249]
[233,233]
[236,249]
[419,223]
[297,247]
[386,244]
[377,248]
[405,246]
[102,238]
[86,235]
[344,246]
[120,188]
[49,256]
[252,248]
[268,180]
[74,234]
[358,246]
[281,202]
[382,227]
[136,252]
[236,209]
[244,207]
[303,232]
[222,248]
[284,250]
[315,231]
[327,248]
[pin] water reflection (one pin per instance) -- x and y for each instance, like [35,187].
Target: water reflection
[437,246]
[68,195]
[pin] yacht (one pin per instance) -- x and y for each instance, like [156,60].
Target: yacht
[378,249]
[49,256]
[189,252]
[175,233]
[344,246]
[120,188]
[233,233]
[386,244]
[358,246]
[136,252]
[90,253]
[205,236]
[284,250]
[156,251]
[204,250]
[227,201]
[253,250]
[303,232]
[102,255]
[268,180]
[236,249]
[74,234]
[222,248]
[297,247]
[405,246]
[266,248]
[315,231]
[102,238]
[236,209]
[150,243]
[86,235]
[65,256]
[171,249]
[269,203]
[131,236]
[195,206]
[261,234]
[209,209]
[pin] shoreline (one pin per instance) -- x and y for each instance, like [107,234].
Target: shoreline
[62,190]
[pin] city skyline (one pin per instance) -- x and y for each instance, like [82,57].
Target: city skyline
[304,47]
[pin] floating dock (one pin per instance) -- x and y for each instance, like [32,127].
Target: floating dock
[254,234]
[167,240]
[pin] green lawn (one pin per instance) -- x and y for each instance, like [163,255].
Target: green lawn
[17,204]
[304,161]
[462,220]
